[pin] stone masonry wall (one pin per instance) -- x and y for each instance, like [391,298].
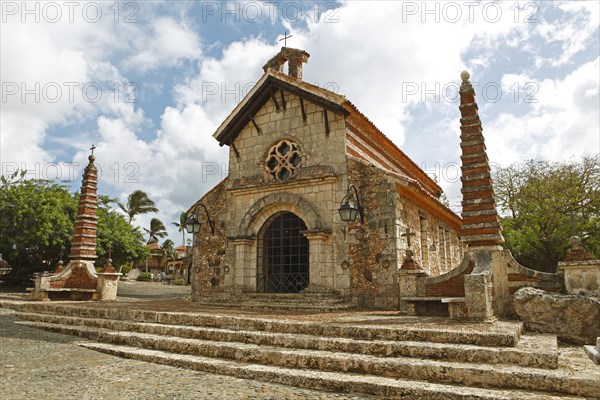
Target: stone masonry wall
[372,250]
[437,247]
[209,268]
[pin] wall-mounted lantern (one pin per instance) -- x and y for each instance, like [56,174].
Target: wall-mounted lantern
[193,225]
[348,211]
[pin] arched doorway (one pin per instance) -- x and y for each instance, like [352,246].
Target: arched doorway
[283,257]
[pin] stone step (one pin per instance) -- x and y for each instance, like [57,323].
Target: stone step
[330,306]
[384,387]
[293,296]
[314,302]
[499,334]
[540,351]
[472,375]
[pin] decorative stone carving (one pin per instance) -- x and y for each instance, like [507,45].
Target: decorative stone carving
[283,160]
[574,319]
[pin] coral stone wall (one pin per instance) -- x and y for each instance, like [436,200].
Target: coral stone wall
[209,268]
[372,254]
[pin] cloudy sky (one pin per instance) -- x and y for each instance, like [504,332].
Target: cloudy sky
[149,82]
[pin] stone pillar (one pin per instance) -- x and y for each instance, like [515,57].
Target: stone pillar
[107,285]
[108,281]
[580,270]
[407,277]
[479,299]
[321,267]
[244,270]
[478,296]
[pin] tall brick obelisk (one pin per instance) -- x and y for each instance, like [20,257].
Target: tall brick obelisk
[79,279]
[83,243]
[481,223]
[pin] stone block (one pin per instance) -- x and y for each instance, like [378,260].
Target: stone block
[581,277]
[574,319]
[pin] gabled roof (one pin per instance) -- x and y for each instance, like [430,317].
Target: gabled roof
[374,147]
[263,90]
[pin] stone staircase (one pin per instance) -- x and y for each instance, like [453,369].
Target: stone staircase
[370,357]
[300,302]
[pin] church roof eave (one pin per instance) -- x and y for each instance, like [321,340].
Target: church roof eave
[262,91]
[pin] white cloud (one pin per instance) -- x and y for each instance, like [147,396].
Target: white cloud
[168,44]
[562,123]
[573,32]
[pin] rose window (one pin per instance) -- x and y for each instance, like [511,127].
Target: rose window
[283,160]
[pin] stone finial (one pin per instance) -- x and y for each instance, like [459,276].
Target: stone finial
[83,243]
[108,267]
[294,57]
[578,252]
[481,223]
[59,267]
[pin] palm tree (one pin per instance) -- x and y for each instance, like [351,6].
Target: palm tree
[183,217]
[157,230]
[168,248]
[137,203]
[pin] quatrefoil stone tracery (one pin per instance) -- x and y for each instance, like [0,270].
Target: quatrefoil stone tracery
[283,160]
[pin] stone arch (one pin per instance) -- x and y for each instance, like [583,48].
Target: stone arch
[266,206]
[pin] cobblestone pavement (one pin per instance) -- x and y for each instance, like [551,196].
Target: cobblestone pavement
[36,364]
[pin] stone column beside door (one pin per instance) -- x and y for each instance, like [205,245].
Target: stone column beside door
[320,261]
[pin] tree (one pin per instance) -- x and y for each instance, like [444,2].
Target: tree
[36,225]
[543,204]
[115,234]
[168,248]
[157,230]
[183,217]
[138,203]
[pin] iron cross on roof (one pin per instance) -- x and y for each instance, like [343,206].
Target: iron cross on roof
[285,38]
[408,235]
[92,148]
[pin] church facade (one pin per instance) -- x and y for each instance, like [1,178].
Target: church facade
[298,154]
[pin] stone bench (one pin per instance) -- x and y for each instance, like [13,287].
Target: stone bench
[455,305]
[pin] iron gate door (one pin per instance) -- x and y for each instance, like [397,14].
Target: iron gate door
[282,255]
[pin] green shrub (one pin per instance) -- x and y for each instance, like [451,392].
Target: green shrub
[145,277]
[126,268]
[179,282]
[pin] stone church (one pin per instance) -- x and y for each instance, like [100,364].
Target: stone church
[301,158]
